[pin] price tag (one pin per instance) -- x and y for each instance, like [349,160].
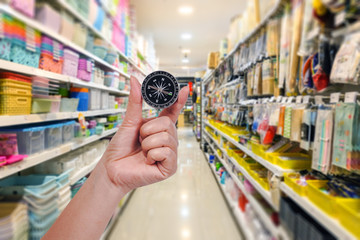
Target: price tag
[318,100]
[299,99]
[290,99]
[306,99]
[340,18]
[334,97]
[350,97]
[284,100]
[278,99]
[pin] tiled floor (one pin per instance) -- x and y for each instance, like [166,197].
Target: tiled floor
[189,205]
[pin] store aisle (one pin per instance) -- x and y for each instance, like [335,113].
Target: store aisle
[189,205]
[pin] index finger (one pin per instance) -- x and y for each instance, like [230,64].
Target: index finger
[174,111]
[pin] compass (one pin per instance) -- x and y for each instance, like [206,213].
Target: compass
[160,89]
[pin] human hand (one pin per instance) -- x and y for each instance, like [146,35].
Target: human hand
[143,151]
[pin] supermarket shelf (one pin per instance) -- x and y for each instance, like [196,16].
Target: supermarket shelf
[137,67]
[116,215]
[270,14]
[328,222]
[46,155]
[278,171]
[86,22]
[254,203]
[19,68]
[265,194]
[239,216]
[265,218]
[44,29]
[84,172]
[36,118]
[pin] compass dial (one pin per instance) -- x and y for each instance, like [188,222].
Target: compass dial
[160,89]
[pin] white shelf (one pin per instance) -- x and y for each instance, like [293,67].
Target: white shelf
[235,208]
[86,22]
[46,155]
[278,171]
[328,222]
[271,13]
[44,29]
[36,118]
[84,171]
[265,218]
[19,68]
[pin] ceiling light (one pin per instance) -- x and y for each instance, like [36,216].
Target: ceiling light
[185,233]
[186,36]
[185,60]
[185,10]
[184,68]
[186,51]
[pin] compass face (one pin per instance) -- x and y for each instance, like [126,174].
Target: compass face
[160,89]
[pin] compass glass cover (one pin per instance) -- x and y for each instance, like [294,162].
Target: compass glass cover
[160,89]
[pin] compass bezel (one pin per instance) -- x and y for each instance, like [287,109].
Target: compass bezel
[150,77]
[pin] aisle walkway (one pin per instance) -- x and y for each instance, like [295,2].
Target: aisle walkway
[189,205]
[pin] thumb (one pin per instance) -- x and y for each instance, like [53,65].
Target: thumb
[174,111]
[134,108]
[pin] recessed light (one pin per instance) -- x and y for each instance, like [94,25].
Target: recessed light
[184,68]
[185,60]
[186,10]
[186,36]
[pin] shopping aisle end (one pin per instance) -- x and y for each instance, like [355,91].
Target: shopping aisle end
[189,205]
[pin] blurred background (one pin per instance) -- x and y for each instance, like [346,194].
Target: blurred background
[268,138]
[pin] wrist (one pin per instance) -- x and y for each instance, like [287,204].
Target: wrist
[101,179]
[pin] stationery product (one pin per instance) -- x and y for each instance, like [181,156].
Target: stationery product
[346,139]
[347,60]
[323,139]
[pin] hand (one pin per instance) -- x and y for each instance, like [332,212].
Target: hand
[143,151]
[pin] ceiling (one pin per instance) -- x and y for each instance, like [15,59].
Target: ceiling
[208,24]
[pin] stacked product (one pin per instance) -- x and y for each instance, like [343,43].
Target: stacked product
[52,55]
[40,194]
[85,69]
[48,16]
[31,139]
[15,94]
[14,222]
[100,48]
[83,95]
[71,62]
[45,99]
[25,44]
[5,36]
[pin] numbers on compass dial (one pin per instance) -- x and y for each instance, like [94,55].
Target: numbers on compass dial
[160,89]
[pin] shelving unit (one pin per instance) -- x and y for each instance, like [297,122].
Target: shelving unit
[84,172]
[277,6]
[22,69]
[265,218]
[46,155]
[328,222]
[45,117]
[278,171]
[86,22]
[44,29]
[239,216]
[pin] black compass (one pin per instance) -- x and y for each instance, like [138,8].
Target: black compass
[160,89]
